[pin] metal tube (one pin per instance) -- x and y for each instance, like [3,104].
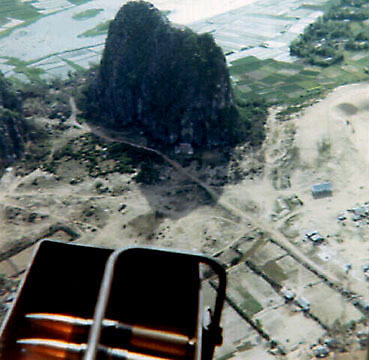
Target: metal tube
[102,303]
[57,349]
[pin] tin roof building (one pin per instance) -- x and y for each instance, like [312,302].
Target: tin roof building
[322,190]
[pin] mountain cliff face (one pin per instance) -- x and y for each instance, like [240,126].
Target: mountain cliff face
[12,127]
[167,81]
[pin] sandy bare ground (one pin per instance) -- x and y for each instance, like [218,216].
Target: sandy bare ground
[341,120]
[344,162]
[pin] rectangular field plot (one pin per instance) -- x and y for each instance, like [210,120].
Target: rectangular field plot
[308,84]
[291,274]
[51,6]
[61,70]
[257,75]
[49,63]
[263,27]
[239,337]
[88,61]
[81,60]
[269,252]
[283,82]
[289,327]
[329,306]
[274,80]
[17,10]
[274,272]
[251,292]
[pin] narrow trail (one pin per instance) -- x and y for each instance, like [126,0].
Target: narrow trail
[72,120]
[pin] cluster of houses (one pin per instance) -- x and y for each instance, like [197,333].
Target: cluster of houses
[360,213]
[319,350]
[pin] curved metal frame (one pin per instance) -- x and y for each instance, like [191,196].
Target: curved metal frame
[104,294]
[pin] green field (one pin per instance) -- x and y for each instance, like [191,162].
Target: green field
[99,29]
[87,14]
[292,84]
[249,304]
[17,9]
[275,272]
[72,64]
[79,2]
[23,67]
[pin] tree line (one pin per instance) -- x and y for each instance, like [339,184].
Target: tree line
[324,41]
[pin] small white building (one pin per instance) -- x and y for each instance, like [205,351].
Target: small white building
[322,190]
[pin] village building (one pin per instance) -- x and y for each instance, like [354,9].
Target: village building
[322,190]
[287,294]
[184,149]
[303,304]
[321,351]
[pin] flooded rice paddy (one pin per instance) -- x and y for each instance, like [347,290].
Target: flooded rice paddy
[56,44]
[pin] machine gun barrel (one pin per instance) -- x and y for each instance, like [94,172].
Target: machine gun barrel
[51,349]
[116,334]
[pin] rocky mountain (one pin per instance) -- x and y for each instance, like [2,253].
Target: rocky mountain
[12,126]
[167,81]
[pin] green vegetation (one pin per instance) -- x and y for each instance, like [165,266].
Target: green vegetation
[253,114]
[17,9]
[87,14]
[332,50]
[21,10]
[275,272]
[296,84]
[100,158]
[8,97]
[12,126]
[79,2]
[11,136]
[99,29]
[33,74]
[23,67]
[72,64]
[342,28]
[250,305]
[148,174]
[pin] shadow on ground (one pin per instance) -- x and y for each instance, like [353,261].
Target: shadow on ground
[180,190]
